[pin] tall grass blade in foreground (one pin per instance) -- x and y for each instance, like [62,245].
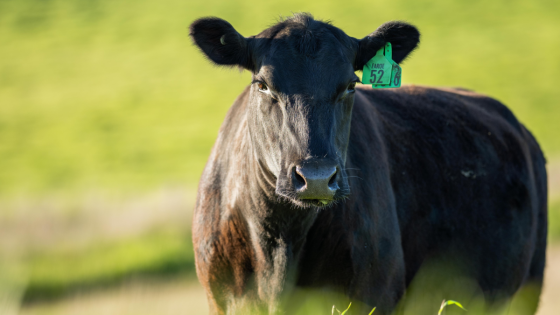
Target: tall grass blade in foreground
[444,303]
[334,308]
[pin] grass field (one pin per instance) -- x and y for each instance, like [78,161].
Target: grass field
[185,297]
[112,95]
[109,98]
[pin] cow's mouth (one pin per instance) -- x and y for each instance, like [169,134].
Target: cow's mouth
[307,202]
[319,203]
[314,202]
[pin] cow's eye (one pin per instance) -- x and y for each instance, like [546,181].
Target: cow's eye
[263,87]
[351,87]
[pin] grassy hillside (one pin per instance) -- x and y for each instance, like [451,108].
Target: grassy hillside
[111,94]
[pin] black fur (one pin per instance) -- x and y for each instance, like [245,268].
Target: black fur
[220,42]
[403,37]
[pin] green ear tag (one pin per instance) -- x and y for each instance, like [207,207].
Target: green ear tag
[396,75]
[381,71]
[377,71]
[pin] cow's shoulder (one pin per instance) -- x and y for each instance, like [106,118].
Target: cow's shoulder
[211,201]
[233,127]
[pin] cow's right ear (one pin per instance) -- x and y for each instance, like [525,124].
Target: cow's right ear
[221,43]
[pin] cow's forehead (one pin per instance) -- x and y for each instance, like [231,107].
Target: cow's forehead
[303,55]
[301,41]
[291,74]
[292,62]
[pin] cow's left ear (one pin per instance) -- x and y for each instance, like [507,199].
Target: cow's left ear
[403,37]
[220,42]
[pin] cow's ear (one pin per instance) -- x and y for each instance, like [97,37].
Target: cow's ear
[220,42]
[404,38]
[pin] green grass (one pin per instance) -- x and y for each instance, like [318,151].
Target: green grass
[111,94]
[61,272]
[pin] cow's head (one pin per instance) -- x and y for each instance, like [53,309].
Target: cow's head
[301,97]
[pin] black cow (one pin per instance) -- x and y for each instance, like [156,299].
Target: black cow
[314,182]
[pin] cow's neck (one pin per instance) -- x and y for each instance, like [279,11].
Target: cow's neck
[278,231]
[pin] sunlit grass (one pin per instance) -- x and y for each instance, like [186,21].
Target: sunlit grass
[347,309]
[60,272]
[554,222]
[112,94]
[444,304]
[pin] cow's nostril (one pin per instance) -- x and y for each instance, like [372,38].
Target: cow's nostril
[332,181]
[299,180]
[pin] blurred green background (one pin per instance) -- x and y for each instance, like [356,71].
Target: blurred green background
[108,114]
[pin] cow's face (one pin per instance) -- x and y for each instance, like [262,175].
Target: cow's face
[301,97]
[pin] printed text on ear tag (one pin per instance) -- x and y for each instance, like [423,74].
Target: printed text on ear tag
[396,75]
[381,71]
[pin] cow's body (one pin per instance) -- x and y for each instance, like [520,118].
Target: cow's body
[293,195]
[433,171]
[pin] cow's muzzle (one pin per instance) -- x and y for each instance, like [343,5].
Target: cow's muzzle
[315,180]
